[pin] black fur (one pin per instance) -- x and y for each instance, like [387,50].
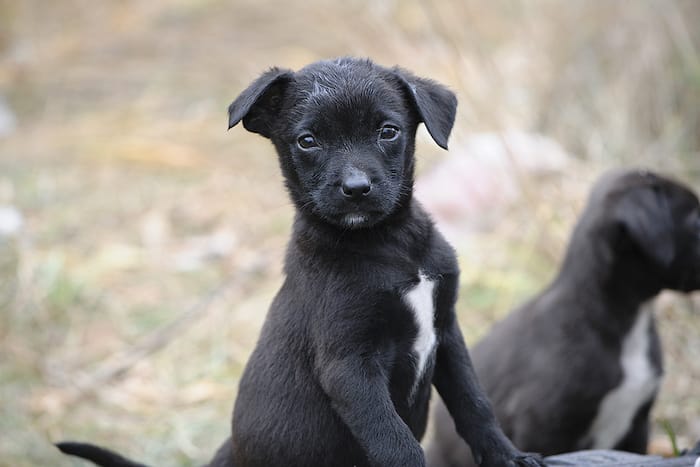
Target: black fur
[549,364]
[331,381]
[96,454]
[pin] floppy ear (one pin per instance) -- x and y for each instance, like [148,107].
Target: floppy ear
[646,217]
[260,102]
[436,105]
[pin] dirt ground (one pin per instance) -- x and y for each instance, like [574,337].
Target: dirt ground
[151,239]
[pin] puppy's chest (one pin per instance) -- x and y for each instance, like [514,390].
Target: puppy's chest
[640,380]
[420,301]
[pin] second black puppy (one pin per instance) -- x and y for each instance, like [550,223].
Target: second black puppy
[578,366]
[364,322]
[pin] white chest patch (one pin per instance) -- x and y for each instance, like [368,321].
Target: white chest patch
[420,300]
[639,382]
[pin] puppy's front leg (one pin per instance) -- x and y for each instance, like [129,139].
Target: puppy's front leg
[457,384]
[359,392]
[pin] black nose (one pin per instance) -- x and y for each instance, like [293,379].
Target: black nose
[356,185]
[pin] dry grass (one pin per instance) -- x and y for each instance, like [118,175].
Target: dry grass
[138,203]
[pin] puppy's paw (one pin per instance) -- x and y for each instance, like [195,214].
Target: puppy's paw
[515,459]
[498,451]
[526,459]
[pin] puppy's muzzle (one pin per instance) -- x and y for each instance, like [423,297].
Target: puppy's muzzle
[355,185]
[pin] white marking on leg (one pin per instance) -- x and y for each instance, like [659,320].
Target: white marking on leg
[639,382]
[420,300]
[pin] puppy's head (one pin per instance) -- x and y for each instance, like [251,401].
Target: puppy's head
[652,223]
[344,132]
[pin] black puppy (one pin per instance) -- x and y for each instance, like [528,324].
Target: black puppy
[578,366]
[364,321]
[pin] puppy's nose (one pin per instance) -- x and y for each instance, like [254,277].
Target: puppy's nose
[356,185]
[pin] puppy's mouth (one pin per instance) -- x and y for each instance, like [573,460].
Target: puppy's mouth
[349,214]
[355,220]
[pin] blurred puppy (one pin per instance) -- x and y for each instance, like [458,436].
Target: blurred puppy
[578,366]
[364,322]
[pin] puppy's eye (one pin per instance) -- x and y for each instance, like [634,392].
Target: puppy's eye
[388,133]
[307,141]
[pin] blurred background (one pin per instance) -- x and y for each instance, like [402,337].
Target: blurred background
[141,243]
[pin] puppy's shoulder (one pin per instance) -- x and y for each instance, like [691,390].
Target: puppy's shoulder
[440,256]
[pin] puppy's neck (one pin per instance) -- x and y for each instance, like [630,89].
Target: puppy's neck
[603,280]
[404,234]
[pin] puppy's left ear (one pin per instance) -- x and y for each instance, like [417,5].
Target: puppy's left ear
[436,105]
[645,215]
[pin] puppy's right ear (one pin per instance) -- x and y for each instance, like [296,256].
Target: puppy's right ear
[259,103]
